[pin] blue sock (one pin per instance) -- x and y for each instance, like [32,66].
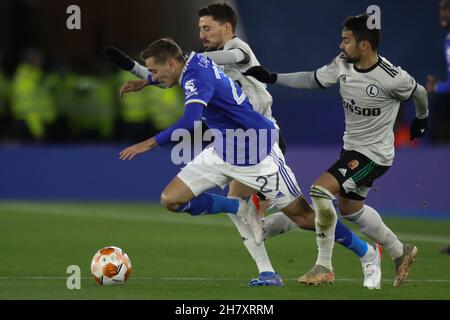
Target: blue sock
[207,203]
[348,239]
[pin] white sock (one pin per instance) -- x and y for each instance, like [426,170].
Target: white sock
[369,256]
[369,222]
[258,252]
[277,223]
[325,222]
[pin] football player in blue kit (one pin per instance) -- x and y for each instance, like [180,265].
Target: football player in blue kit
[256,160]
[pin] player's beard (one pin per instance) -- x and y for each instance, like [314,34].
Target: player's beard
[349,59]
[211,46]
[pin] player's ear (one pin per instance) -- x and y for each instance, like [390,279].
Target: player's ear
[365,45]
[228,27]
[171,63]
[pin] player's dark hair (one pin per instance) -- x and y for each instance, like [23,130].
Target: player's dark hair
[220,12]
[161,50]
[358,25]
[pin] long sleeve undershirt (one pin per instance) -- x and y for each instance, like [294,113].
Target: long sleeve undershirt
[299,80]
[306,80]
[420,98]
[223,57]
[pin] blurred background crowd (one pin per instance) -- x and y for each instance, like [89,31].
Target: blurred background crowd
[55,86]
[60,104]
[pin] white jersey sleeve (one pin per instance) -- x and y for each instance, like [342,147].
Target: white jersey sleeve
[403,85]
[256,91]
[329,74]
[238,44]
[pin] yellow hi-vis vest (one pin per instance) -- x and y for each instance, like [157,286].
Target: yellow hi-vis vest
[133,105]
[31,100]
[165,107]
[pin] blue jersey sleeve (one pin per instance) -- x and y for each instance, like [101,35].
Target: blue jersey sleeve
[444,87]
[197,88]
[192,112]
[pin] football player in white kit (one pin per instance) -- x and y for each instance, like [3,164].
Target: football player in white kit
[372,90]
[217,24]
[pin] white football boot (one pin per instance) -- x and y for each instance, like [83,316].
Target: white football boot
[372,270]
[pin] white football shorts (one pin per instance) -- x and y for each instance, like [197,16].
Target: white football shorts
[272,176]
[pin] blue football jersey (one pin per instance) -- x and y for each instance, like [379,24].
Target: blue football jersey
[242,136]
[444,87]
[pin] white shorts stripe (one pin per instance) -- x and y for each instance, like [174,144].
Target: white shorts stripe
[291,186]
[294,185]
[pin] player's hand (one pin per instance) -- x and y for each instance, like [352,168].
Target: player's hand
[119,58]
[141,147]
[261,74]
[430,86]
[133,85]
[418,128]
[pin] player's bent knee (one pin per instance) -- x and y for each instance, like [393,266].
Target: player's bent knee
[323,201]
[320,192]
[169,202]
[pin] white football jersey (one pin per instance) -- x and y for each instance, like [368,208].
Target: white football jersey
[371,99]
[256,91]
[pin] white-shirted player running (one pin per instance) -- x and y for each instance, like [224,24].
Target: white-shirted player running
[372,90]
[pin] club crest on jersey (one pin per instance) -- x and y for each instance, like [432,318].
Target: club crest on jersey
[353,164]
[189,88]
[203,61]
[372,90]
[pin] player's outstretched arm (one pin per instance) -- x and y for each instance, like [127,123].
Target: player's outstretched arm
[133,85]
[419,125]
[124,62]
[141,147]
[224,57]
[192,113]
[298,80]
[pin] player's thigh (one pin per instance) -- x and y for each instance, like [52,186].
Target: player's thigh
[281,187]
[176,192]
[301,213]
[355,174]
[349,206]
[238,189]
[204,172]
[271,177]
[329,182]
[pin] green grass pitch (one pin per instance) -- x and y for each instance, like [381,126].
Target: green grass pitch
[176,256]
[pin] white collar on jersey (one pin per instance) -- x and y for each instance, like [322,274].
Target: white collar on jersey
[191,55]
